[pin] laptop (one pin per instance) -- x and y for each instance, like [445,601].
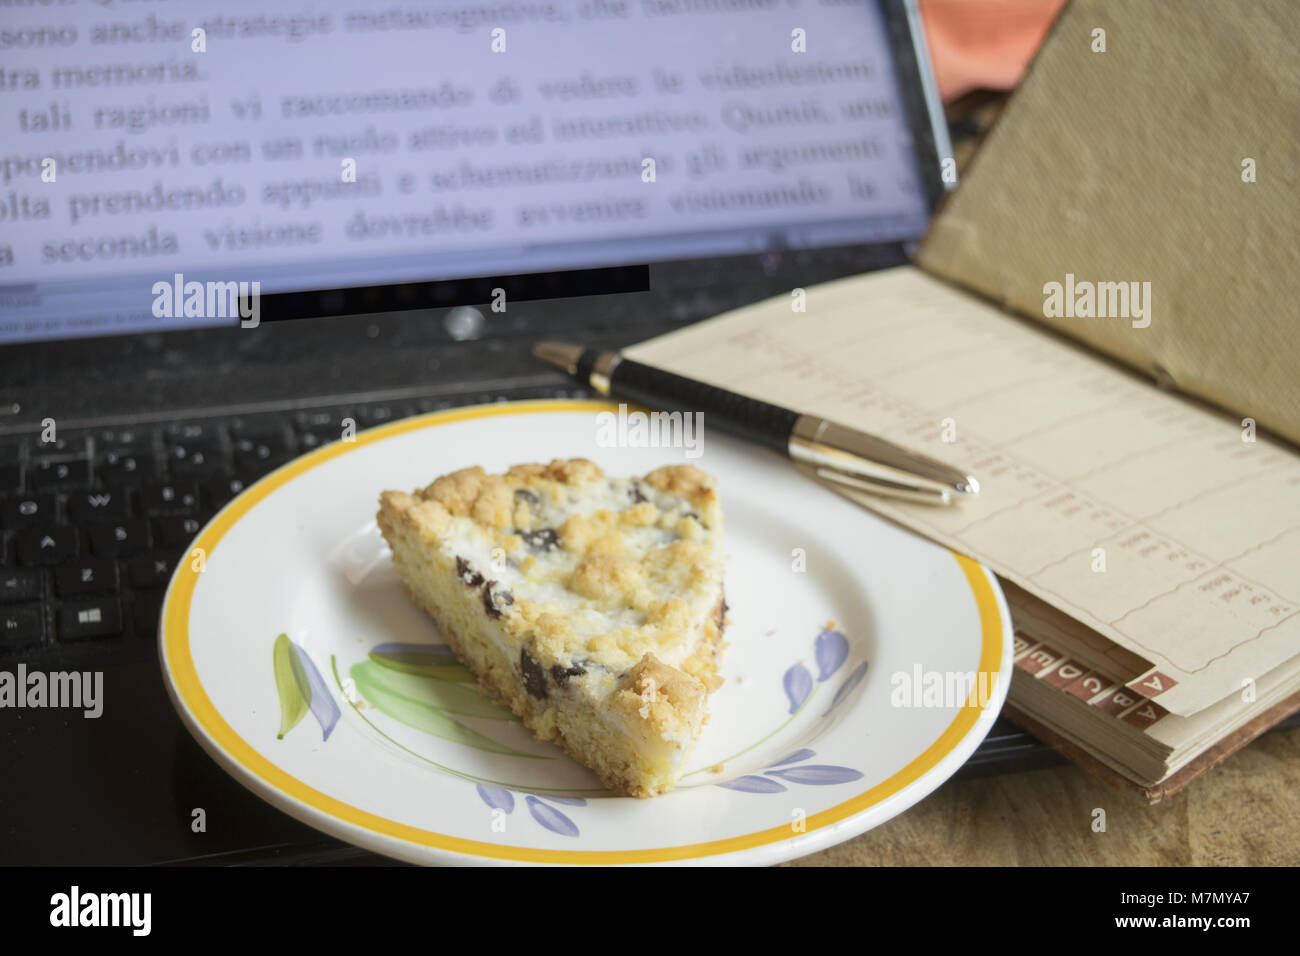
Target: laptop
[225,230]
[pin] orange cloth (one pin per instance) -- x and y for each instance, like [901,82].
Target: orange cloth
[984,44]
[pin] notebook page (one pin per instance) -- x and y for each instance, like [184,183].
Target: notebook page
[1140,514]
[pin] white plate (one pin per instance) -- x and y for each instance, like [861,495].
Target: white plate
[835,614]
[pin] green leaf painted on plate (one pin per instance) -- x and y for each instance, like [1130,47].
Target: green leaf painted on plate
[441,667]
[375,685]
[291,684]
[460,699]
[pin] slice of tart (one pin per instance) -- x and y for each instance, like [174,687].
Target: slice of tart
[592,606]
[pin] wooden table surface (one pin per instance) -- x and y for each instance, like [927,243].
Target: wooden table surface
[1244,812]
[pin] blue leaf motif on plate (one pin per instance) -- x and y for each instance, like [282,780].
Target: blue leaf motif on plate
[819,775]
[846,688]
[322,704]
[567,801]
[551,818]
[832,650]
[794,757]
[497,798]
[798,685]
[752,784]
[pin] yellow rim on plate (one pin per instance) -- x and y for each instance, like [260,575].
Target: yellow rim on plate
[178,665]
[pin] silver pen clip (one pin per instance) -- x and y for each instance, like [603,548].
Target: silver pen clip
[853,459]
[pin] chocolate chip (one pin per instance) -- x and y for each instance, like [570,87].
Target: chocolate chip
[543,539]
[562,674]
[494,598]
[635,494]
[467,574]
[534,676]
[528,497]
[695,515]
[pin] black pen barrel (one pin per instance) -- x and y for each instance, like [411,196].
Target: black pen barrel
[749,418]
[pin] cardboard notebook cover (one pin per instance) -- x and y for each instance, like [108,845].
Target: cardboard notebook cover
[1167,160]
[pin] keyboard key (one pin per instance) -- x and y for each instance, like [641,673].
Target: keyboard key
[264,446]
[217,491]
[73,473]
[122,466]
[258,463]
[119,539]
[86,576]
[177,530]
[21,626]
[65,446]
[19,584]
[179,497]
[11,477]
[97,505]
[47,545]
[378,415]
[145,613]
[259,425]
[317,419]
[26,511]
[151,570]
[127,437]
[314,439]
[192,460]
[182,432]
[79,620]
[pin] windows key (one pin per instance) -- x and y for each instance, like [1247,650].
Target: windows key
[79,620]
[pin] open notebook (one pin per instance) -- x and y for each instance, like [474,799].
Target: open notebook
[1149,540]
[1150,552]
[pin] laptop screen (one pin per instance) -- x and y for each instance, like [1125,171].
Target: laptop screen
[161,160]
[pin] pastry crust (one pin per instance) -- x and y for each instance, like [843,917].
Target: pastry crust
[592,606]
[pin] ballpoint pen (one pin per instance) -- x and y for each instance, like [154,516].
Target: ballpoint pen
[830,451]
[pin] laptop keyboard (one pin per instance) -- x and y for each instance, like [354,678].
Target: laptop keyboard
[93,524]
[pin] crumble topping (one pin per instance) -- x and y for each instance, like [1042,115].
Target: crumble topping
[593,555]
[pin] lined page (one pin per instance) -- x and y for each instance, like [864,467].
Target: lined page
[1142,515]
